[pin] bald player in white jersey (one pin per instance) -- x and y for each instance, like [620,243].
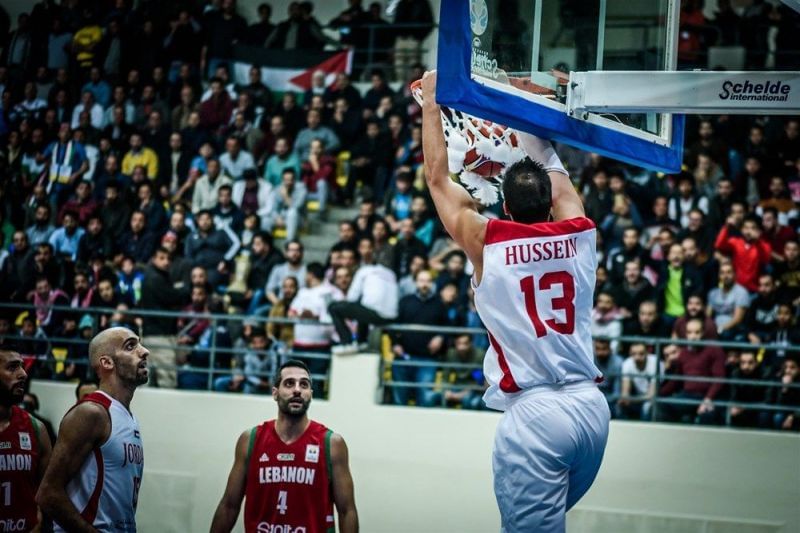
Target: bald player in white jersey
[534,279]
[93,479]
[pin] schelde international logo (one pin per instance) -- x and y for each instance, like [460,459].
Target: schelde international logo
[768,91]
[478,16]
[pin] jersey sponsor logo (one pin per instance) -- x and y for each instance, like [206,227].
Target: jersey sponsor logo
[285,457]
[9,524]
[312,453]
[541,251]
[24,440]
[286,474]
[16,462]
[5,445]
[264,458]
[266,527]
[132,454]
[137,434]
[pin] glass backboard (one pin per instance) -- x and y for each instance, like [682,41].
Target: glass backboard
[509,61]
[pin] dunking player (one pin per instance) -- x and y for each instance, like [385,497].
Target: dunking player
[24,450]
[533,282]
[290,471]
[92,482]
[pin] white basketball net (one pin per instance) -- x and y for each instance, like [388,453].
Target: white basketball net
[478,151]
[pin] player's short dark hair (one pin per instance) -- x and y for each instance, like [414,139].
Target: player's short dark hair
[291,363]
[527,192]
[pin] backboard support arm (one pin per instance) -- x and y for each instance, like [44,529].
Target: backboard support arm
[707,92]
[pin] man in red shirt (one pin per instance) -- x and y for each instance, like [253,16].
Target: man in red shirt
[749,252]
[24,450]
[693,361]
[290,471]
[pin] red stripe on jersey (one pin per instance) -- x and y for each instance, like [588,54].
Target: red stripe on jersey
[507,384]
[97,397]
[508,230]
[90,512]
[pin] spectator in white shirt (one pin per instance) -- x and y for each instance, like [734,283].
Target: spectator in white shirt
[638,383]
[235,160]
[90,106]
[206,190]
[311,303]
[372,299]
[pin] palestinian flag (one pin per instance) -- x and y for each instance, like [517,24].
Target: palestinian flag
[288,71]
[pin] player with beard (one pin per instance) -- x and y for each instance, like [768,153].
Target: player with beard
[291,471]
[24,450]
[93,481]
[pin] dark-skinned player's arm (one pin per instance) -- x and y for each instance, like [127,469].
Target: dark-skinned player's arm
[84,428]
[343,496]
[45,450]
[566,203]
[454,205]
[231,502]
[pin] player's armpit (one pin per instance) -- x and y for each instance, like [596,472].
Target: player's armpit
[343,492]
[84,428]
[228,509]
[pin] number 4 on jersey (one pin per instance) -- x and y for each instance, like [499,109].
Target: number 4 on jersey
[565,302]
[281,507]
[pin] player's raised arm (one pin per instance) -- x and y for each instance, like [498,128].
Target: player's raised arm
[566,201]
[84,428]
[455,206]
[343,496]
[228,508]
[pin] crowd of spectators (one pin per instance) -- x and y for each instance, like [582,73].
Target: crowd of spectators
[149,181]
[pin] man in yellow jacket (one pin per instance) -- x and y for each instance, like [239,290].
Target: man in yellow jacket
[140,155]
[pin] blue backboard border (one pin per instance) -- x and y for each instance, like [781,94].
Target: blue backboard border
[456,88]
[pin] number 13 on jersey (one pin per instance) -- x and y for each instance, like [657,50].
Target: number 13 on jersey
[565,302]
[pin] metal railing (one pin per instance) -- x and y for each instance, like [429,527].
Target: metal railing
[217,354]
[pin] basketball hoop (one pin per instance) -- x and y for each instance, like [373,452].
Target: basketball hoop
[478,151]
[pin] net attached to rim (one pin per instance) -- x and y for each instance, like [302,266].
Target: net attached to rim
[478,150]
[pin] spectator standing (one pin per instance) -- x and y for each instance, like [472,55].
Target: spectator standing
[66,162]
[159,294]
[65,239]
[224,27]
[311,303]
[258,32]
[647,323]
[693,361]
[632,291]
[677,280]
[422,307]
[749,252]
[686,199]
[638,385]
[413,21]
[607,319]
[319,175]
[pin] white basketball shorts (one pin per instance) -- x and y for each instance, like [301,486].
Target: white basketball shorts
[547,451]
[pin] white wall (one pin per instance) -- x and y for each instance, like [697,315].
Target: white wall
[429,470]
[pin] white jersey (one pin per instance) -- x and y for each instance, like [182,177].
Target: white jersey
[106,489]
[535,299]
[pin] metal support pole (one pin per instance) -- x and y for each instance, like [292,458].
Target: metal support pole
[212,356]
[654,409]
